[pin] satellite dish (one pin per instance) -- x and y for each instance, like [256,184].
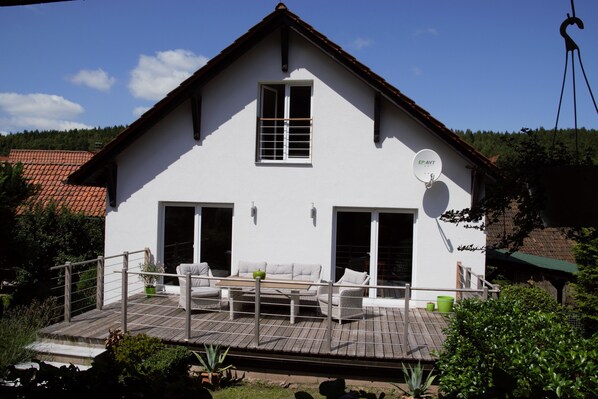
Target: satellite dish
[427,166]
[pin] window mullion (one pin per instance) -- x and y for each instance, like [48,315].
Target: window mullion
[287,111]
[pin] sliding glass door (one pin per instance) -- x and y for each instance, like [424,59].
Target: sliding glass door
[379,242]
[197,233]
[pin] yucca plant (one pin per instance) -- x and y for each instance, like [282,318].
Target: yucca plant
[417,387]
[212,362]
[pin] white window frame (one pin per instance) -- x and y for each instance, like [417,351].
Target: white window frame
[286,158]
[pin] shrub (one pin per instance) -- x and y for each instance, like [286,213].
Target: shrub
[501,347]
[145,364]
[530,297]
[18,328]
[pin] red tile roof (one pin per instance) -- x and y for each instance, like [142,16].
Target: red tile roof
[50,169]
[550,242]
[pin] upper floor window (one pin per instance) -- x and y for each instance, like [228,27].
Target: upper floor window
[284,129]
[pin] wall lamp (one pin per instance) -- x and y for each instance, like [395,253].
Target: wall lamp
[253,209]
[313,211]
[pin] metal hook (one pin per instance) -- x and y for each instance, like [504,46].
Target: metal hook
[569,43]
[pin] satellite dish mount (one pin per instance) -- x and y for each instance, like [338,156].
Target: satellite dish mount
[427,167]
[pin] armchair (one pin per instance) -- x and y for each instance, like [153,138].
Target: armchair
[347,301]
[204,295]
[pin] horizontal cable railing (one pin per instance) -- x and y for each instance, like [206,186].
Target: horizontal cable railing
[280,315]
[80,286]
[282,139]
[261,316]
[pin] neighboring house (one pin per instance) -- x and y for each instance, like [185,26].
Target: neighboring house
[546,257]
[50,169]
[284,148]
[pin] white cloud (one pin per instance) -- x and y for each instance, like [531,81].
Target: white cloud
[138,111]
[38,111]
[155,76]
[97,79]
[360,43]
[426,31]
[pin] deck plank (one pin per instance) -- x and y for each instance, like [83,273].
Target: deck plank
[379,337]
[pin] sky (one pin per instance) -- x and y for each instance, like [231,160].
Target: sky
[495,65]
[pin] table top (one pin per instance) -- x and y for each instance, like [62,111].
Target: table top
[250,283]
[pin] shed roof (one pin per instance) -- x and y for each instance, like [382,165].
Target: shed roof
[50,169]
[97,171]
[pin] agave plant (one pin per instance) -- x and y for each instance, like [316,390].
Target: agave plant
[212,362]
[417,387]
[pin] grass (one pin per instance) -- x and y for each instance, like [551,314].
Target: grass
[266,390]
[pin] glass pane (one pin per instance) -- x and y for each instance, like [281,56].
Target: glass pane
[299,124]
[272,126]
[395,249]
[352,242]
[216,238]
[178,238]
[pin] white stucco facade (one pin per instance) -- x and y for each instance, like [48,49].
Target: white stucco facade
[348,172]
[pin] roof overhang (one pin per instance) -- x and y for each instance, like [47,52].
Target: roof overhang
[97,170]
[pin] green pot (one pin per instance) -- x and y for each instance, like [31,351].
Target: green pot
[445,303]
[430,306]
[150,291]
[259,273]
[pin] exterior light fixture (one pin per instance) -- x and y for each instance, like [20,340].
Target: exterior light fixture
[253,209]
[313,211]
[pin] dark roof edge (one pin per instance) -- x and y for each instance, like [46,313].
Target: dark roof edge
[92,172]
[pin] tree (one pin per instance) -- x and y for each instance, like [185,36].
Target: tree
[48,236]
[14,191]
[586,285]
[517,185]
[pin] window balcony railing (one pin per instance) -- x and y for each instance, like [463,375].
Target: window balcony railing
[285,139]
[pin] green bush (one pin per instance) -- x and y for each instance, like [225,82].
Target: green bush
[530,297]
[501,347]
[145,364]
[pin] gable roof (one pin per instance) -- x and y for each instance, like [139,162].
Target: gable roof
[98,170]
[50,169]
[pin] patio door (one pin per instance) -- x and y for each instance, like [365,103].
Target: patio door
[196,233]
[379,242]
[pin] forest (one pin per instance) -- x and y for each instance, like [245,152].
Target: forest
[71,140]
[489,143]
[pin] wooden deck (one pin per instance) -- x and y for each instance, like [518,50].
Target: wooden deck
[378,339]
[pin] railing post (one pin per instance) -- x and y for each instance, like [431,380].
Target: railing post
[480,282]
[468,277]
[329,321]
[459,279]
[67,291]
[256,327]
[406,322]
[125,287]
[188,306]
[485,293]
[100,283]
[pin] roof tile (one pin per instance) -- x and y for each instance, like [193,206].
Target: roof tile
[50,169]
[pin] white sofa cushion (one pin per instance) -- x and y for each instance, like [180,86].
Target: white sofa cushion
[279,271]
[353,277]
[245,269]
[306,272]
[196,269]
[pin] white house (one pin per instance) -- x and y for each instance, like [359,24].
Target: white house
[285,148]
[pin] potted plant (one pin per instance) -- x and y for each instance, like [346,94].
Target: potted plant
[149,280]
[259,273]
[213,364]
